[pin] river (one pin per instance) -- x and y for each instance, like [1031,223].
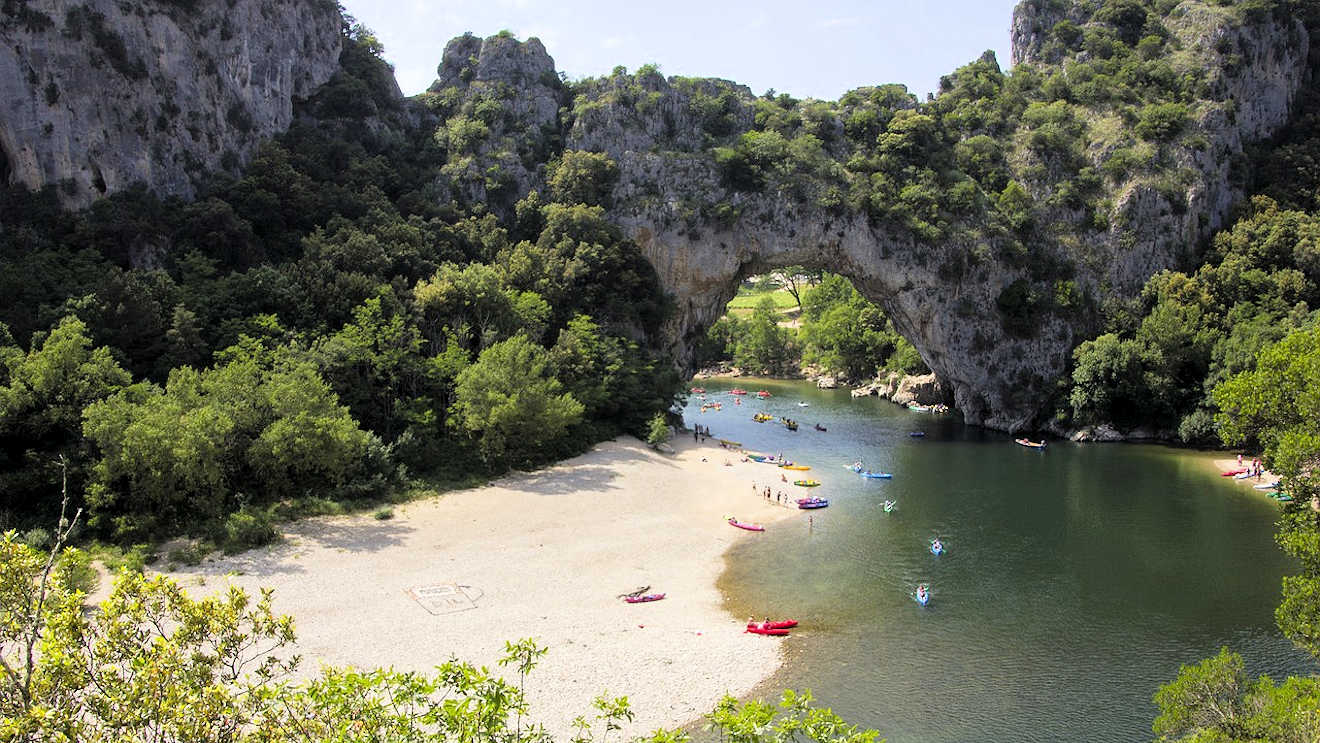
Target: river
[1076,580]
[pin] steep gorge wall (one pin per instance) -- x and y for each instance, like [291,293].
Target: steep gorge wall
[96,95]
[703,235]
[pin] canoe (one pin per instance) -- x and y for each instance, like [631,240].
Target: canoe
[799,467]
[1029,444]
[791,426]
[643,599]
[698,390]
[877,475]
[1232,473]
[760,631]
[736,391]
[781,624]
[763,394]
[747,526]
[809,504]
[807,483]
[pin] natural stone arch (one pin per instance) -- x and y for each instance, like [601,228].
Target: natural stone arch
[995,377]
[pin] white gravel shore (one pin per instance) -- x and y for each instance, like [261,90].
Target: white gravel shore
[541,555]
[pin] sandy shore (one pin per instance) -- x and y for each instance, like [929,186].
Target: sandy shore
[541,555]
[1228,465]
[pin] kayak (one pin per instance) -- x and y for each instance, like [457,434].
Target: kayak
[763,394]
[782,624]
[936,547]
[756,457]
[1267,485]
[1029,444]
[760,631]
[876,475]
[736,391]
[733,444]
[808,503]
[745,525]
[643,599]
[917,434]
[1241,475]
[804,405]
[1232,473]
[890,505]
[921,595]
[762,417]
[698,390]
[791,426]
[799,467]
[807,483]
[856,467]
[821,428]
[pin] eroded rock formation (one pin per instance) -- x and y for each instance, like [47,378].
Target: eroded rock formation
[101,94]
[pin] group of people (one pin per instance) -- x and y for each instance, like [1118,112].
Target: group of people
[779,495]
[700,433]
[1255,469]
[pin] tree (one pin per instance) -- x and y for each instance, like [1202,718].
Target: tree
[509,402]
[763,346]
[658,431]
[42,396]
[1278,405]
[583,178]
[1215,701]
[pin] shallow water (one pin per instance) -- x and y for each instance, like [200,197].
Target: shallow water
[1075,581]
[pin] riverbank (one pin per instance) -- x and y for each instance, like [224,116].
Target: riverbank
[544,555]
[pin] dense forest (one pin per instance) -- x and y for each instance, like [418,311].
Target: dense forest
[319,330]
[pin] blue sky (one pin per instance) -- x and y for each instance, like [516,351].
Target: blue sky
[818,49]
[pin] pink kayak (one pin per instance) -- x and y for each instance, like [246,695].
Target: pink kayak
[781,624]
[643,599]
[744,525]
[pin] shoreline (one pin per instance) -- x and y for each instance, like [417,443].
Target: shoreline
[543,554]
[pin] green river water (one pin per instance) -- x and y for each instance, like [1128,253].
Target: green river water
[1075,581]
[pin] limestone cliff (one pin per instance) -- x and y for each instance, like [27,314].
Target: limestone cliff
[100,94]
[704,234]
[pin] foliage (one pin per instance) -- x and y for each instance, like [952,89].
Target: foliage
[583,178]
[658,430]
[762,346]
[1214,700]
[512,405]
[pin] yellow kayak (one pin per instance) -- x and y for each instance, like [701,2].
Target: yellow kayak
[801,467]
[807,483]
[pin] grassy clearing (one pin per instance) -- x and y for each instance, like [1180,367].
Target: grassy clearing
[747,299]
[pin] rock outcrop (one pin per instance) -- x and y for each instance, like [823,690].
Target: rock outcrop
[98,95]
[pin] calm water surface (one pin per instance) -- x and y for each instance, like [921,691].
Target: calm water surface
[1075,581]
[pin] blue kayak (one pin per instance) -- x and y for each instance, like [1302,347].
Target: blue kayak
[936,547]
[921,596]
[917,434]
[876,475]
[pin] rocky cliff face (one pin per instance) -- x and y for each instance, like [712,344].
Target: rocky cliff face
[97,97]
[99,94]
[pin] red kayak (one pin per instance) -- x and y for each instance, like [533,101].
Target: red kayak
[759,631]
[643,599]
[1232,473]
[782,624]
[744,525]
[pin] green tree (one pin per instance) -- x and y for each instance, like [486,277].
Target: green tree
[763,346]
[583,178]
[42,395]
[509,402]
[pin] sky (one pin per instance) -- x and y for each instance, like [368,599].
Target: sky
[815,49]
